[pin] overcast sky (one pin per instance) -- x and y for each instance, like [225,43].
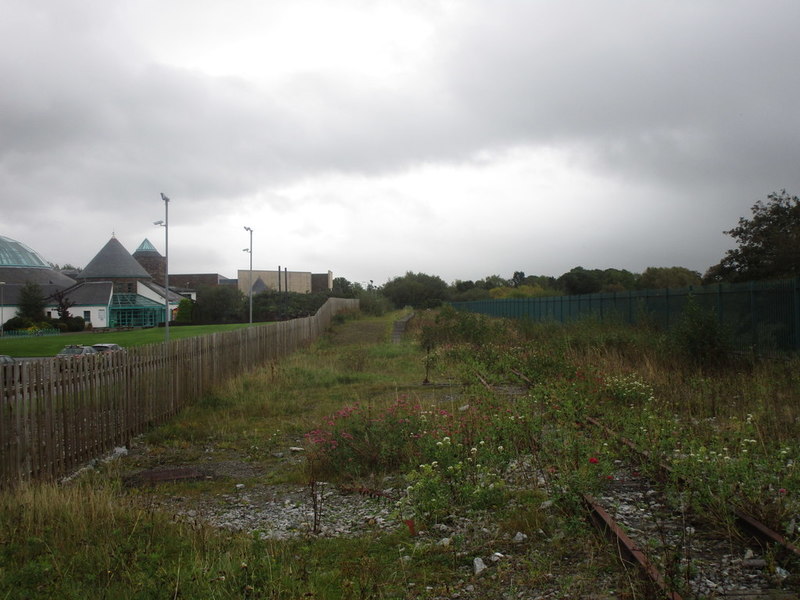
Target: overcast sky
[371,138]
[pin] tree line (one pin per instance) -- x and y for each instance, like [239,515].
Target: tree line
[767,247]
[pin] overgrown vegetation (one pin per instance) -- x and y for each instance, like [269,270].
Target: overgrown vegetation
[497,438]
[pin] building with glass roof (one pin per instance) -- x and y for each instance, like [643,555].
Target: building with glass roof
[20,264]
[113,290]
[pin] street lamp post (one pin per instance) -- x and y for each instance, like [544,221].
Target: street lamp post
[250,252]
[165,225]
[2,306]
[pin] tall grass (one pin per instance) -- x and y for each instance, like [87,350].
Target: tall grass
[86,541]
[493,436]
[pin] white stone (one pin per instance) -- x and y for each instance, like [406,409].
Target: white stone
[478,565]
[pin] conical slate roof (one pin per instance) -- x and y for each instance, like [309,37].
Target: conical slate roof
[113,261]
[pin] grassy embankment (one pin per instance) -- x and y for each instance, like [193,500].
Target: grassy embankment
[50,345]
[510,457]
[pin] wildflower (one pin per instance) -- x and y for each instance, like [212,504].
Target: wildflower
[593,460]
[782,491]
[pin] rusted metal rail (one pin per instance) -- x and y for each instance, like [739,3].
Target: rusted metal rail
[753,525]
[606,523]
[630,549]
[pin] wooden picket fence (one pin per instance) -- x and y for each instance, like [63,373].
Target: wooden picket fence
[57,415]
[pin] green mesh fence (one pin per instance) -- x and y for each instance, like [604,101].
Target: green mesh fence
[762,315]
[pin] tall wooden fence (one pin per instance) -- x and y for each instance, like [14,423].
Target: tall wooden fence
[56,414]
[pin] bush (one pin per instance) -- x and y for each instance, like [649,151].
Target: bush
[17,323]
[373,304]
[74,324]
[700,338]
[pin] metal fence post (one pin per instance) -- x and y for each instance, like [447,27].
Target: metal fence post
[796,297]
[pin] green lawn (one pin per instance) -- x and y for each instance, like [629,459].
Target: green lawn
[50,345]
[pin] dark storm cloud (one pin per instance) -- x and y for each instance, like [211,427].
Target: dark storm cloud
[686,91]
[690,104]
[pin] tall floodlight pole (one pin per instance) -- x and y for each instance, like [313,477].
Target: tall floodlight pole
[250,282]
[2,305]
[165,225]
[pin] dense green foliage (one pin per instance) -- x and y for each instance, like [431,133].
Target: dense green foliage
[654,278]
[416,289]
[31,302]
[271,305]
[219,304]
[768,243]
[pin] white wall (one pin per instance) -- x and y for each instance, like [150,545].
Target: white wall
[98,315]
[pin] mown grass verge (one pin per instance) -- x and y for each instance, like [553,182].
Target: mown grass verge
[50,345]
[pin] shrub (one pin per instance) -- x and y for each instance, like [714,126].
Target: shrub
[16,323]
[75,324]
[373,304]
[700,337]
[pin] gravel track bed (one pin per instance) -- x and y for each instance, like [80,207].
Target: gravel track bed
[698,563]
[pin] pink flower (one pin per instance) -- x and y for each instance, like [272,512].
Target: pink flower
[782,491]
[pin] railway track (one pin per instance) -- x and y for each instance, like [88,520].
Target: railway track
[680,554]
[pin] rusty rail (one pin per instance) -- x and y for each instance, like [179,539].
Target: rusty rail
[748,521]
[605,522]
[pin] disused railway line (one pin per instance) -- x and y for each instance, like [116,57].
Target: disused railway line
[743,578]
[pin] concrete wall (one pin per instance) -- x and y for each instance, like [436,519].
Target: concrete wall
[194,281]
[299,282]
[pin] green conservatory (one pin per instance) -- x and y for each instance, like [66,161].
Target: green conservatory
[133,310]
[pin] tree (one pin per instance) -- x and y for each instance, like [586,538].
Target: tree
[580,281]
[667,277]
[185,311]
[416,289]
[768,243]
[63,304]
[492,281]
[220,304]
[342,288]
[517,279]
[31,302]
